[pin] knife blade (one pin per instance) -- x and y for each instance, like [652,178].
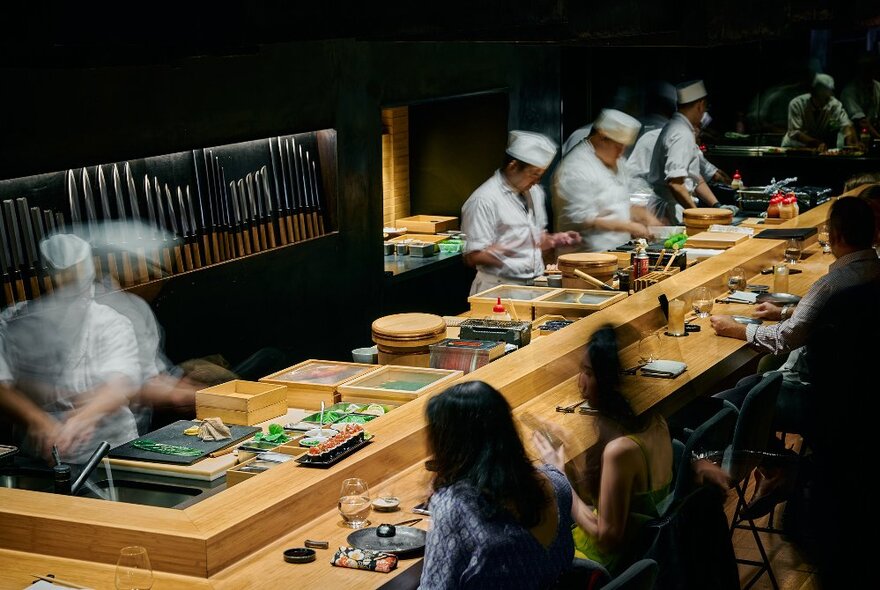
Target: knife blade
[127,273]
[89,204]
[245,216]
[39,234]
[293,167]
[151,210]
[317,217]
[175,233]
[49,221]
[307,207]
[279,209]
[263,189]
[185,229]
[73,198]
[15,243]
[30,245]
[240,233]
[258,229]
[59,221]
[143,272]
[230,218]
[198,232]
[162,225]
[105,197]
[214,206]
[284,187]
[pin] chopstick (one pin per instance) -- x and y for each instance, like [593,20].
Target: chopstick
[571,407]
[59,581]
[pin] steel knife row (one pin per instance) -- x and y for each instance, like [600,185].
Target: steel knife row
[24,272]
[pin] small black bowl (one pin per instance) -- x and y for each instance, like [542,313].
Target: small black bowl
[299,555]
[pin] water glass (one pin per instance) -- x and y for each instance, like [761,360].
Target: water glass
[354,503]
[649,346]
[736,279]
[133,570]
[793,251]
[824,239]
[702,302]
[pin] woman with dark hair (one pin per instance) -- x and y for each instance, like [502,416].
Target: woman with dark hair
[498,521]
[629,469]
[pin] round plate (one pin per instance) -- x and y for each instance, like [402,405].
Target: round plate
[406,541]
[778,298]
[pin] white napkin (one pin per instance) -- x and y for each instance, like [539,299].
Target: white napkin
[743,297]
[662,368]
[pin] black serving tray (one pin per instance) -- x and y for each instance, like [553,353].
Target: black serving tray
[308,462]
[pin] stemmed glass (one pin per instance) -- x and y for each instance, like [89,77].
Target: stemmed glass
[649,346]
[793,251]
[702,302]
[736,280]
[824,239]
[354,503]
[133,570]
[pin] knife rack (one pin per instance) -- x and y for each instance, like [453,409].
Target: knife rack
[155,217]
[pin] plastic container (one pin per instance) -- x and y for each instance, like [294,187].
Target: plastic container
[773,206]
[499,312]
[736,182]
[786,210]
[792,198]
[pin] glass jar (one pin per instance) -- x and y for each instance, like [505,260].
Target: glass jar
[780,278]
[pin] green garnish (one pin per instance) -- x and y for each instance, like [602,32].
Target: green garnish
[165,449]
[276,435]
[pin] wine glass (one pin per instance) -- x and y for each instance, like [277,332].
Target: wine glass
[354,503]
[649,346]
[793,251]
[736,279]
[702,302]
[824,239]
[133,571]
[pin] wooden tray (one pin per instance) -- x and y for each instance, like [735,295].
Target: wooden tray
[427,224]
[522,299]
[239,395]
[244,418]
[310,382]
[368,387]
[717,240]
[577,302]
[420,237]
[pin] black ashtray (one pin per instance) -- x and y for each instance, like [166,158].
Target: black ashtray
[299,555]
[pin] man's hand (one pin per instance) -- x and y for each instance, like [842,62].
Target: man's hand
[566,238]
[724,325]
[721,176]
[639,230]
[768,311]
[76,431]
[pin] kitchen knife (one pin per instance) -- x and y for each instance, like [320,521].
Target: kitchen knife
[59,221]
[240,233]
[172,219]
[292,234]
[120,214]
[151,209]
[104,195]
[198,232]
[185,229]
[279,209]
[91,219]
[39,234]
[49,222]
[6,264]
[263,188]
[143,273]
[112,267]
[307,208]
[241,191]
[30,245]
[202,229]
[257,212]
[317,215]
[15,248]
[73,198]
[228,241]
[162,225]
[293,167]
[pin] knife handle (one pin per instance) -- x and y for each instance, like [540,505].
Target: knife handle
[293,229]
[207,243]
[99,269]
[7,291]
[282,230]
[166,259]
[187,256]
[196,252]
[321,224]
[19,288]
[255,232]
[311,229]
[112,267]
[48,288]
[302,226]
[178,259]
[240,237]
[215,245]
[127,272]
[314,217]
[264,242]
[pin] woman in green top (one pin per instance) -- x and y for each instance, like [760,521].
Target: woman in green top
[629,470]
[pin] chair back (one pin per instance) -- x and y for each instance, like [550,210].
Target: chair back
[753,427]
[639,576]
[715,433]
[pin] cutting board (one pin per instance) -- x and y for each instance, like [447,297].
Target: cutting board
[172,434]
[715,239]
[429,238]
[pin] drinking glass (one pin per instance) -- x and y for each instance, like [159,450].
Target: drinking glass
[354,503]
[649,346]
[736,279]
[702,302]
[133,571]
[824,239]
[793,251]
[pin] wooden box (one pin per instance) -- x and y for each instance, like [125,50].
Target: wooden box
[429,238]
[719,240]
[652,278]
[427,224]
[577,302]
[518,300]
[396,384]
[241,402]
[310,382]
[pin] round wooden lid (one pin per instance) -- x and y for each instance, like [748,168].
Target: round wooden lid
[581,259]
[708,213]
[409,325]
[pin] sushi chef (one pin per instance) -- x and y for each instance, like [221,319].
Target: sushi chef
[591,187]
[505,219]
[676,156]
[68,365]
[818,119]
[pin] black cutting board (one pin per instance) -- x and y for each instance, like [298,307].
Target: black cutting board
[173,435]
[799,233]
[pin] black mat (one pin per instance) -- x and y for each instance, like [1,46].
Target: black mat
[799,233]
[173,435]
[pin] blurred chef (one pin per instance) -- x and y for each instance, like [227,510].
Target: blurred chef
[68,365]
[505,219]
[861,98]
[591,187]
[818,119]
[676,156]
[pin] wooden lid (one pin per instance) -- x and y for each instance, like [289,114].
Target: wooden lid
[582,259]
[409,326]
[708,213]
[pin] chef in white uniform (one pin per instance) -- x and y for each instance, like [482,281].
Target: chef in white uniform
[676,156]
[818,119]
[68,365]
[591,187]
[505,219]
[861,98]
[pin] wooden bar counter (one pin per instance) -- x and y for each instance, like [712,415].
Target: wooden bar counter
[235,539]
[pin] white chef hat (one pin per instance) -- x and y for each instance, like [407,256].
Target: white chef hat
[65,250]
[618,126]
[823,80]
[531,148]
[690,91]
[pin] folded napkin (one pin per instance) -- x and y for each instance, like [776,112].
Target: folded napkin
[663,368]
[742,297]
[214,429]
[364,559]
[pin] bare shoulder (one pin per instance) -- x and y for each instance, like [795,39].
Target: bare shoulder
[621,450]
